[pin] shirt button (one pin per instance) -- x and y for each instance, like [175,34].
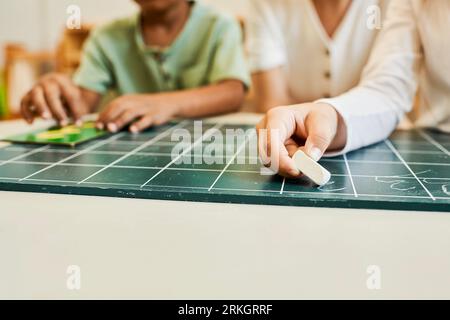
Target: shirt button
[327,74]
[327,52]
[327,96]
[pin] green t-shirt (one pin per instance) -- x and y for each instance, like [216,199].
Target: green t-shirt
[208,50]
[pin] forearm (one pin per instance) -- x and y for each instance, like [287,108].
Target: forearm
[367,116]
[223,97]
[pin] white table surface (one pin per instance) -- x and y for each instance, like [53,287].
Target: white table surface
[132,248]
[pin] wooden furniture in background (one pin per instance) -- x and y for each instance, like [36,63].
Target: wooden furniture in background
[24,67]
[69,50]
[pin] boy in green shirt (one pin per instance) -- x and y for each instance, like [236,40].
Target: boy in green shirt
[175,58]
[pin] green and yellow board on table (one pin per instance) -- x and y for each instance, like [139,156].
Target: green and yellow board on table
[3,109]
[71,135]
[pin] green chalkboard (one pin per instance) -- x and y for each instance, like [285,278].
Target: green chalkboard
[409,171]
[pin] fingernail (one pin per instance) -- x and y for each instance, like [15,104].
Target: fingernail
[315,154]
[294,172]
[112,127]
[134,129]
[63,123]
[46,115]
[78,123]
[99,126]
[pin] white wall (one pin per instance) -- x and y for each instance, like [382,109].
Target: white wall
[38,23]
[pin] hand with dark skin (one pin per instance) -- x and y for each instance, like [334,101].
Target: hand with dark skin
[145,110]
[311,127]
[56,96]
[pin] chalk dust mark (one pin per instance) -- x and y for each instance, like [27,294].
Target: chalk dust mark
[409,175]
[396,181]
[321,188]
[436,181]
[395,184]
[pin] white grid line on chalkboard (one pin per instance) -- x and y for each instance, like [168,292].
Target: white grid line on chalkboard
[52,149]
[434,142]
[282,185]
[199,140]
[37,150]
[389,144]
[347,166]
[240,148]
[83,151]
[250,158]
[137,149]
[218,171]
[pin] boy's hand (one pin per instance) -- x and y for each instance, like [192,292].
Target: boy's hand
[312,127]
[140,110]
[55,95]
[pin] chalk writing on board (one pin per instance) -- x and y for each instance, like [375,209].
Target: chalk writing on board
[396,184]
[401,182]
[445,189]
[329,187]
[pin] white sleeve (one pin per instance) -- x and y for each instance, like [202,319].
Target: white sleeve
[374,108]
[264,37]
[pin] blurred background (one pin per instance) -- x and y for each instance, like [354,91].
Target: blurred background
[34,39]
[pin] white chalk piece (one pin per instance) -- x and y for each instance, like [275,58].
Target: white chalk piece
[314,171]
